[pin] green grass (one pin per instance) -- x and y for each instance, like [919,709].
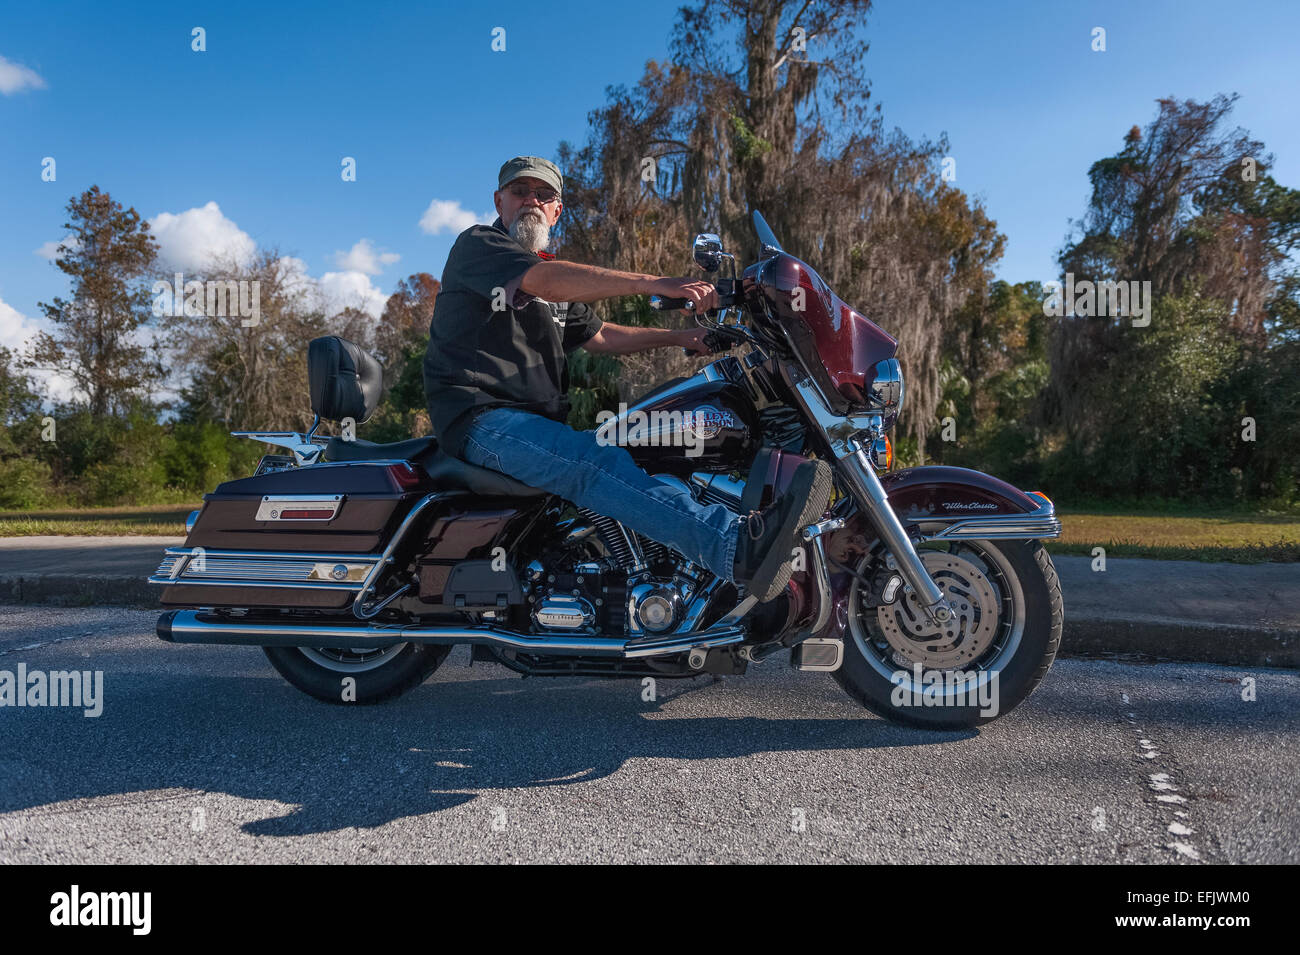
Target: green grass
[1238,537]
[1231,536]
[166,520]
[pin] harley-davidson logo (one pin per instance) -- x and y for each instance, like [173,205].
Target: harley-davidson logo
[708,422]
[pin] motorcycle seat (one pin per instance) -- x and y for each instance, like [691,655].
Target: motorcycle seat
[358,450]
[445,471]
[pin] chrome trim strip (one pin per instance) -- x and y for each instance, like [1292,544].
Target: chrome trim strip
[241,583]
[234,568]
[1039,523]
[737,612]
[271,555]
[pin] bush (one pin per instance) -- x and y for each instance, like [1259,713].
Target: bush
[24,483]
[123,482]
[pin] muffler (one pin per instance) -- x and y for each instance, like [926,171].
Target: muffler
[191,626]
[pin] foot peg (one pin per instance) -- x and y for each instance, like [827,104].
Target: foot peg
[818,654]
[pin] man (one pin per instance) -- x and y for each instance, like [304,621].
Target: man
[496,378]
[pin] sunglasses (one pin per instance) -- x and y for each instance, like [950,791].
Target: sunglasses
[521,191]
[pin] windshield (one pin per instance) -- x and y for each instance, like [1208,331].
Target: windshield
[766,237]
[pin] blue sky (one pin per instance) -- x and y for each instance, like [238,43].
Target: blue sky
[259,123]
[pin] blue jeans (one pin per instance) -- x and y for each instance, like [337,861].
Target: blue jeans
[602,477]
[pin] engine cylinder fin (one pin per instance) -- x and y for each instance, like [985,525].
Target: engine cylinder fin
[621,542]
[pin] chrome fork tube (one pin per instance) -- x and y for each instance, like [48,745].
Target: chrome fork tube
[870,494]
[841,433]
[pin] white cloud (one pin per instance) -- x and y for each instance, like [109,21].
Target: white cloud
[333,291]
[199,238]
[340,290]
[15,327]
[363,257]
[50,250]
[16,330]
[14,78]
[446,215]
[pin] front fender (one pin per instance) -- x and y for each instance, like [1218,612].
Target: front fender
[939,492]
[965,503]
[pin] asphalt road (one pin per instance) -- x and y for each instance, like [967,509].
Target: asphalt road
[203,754]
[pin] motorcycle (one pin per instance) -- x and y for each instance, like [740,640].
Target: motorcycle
[925,592]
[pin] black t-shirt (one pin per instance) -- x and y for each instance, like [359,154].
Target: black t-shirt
[513,355]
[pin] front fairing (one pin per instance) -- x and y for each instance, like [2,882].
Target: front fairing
[796,311]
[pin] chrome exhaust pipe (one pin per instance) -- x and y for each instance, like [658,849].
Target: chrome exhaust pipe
[190,626]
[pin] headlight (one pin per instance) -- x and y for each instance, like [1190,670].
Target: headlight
[886,391]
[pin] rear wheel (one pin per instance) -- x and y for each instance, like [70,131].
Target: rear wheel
[357,675]
[996,651]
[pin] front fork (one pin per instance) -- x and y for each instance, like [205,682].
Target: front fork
[856,470]
[866,488]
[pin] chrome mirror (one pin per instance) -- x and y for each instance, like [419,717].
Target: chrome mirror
[708,251]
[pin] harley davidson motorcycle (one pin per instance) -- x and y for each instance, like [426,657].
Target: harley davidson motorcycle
[358,566]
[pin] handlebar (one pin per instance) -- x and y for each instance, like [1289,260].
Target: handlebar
[728,297]
[718,338]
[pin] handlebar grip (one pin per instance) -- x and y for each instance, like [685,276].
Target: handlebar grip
[661,304]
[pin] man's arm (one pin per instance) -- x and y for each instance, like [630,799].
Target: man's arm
[614,339]
[557,281]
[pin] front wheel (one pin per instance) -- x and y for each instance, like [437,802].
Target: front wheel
[995,652]
[357,675]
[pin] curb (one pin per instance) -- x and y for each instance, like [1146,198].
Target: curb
[1182,641]
[1155,639]
[79,590]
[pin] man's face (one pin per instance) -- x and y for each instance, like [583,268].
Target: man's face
[509,206]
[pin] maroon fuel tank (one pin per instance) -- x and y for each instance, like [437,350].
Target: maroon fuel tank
[703,423]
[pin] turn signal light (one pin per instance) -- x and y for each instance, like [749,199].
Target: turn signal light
[882,454]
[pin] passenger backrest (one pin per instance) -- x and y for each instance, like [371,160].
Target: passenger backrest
[345,380]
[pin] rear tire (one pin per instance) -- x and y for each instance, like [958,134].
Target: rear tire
[1029,650]
[376,675]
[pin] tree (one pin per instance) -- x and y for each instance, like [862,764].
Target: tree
[96,339]
[1188,206]
[405,320]
[1186,202]
[765,106]
[252,377]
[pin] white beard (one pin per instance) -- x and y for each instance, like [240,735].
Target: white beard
[530,230]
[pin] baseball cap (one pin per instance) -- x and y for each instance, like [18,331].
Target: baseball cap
[534,166]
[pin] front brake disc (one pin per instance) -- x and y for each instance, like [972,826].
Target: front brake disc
[964,638]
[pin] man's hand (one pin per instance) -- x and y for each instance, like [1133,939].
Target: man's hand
[692,339]
[701,292]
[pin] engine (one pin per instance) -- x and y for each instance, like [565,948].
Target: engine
[638,588]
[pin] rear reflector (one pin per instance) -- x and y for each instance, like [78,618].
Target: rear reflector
[404,476]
